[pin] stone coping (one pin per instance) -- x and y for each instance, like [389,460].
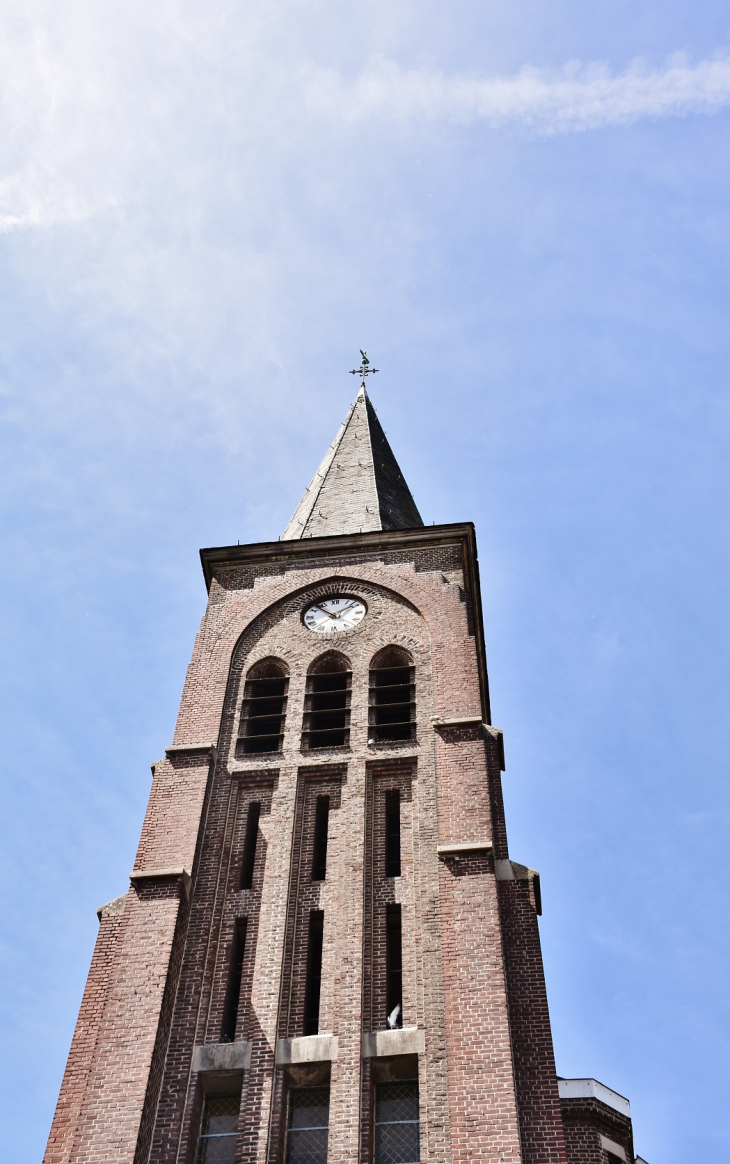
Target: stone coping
[592,1089]
[222,1057]
[405,1041]
[455,847]
[186,749]
[178,872]
[306,1049]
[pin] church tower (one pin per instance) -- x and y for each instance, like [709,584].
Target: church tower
[326,952]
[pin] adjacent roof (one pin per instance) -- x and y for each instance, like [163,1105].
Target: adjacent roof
[358,487]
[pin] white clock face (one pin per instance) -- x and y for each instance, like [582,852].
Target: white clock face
[331,616]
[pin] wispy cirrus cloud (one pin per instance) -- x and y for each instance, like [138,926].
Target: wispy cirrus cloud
[575,98]
[94,109]
[83,122]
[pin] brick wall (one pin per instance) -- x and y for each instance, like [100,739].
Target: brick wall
[68,1117]
[107,1122]
[541,1123]
[586,1122]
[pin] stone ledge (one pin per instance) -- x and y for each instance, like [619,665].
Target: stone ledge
[498,735]
[448,721]
[376,747]
[457,721]
[456,847]
[406,1041]
[188,749]
[222,1057]
[306,1049]
[162,875]
[112,908]
[506,870]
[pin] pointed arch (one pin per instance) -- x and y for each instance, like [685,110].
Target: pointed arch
[391,656]
[269,668]
[329,661]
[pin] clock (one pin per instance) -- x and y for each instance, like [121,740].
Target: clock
[331,616]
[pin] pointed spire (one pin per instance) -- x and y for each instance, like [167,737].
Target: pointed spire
[358,487]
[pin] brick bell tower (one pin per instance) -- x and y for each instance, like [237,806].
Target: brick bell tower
[325,952]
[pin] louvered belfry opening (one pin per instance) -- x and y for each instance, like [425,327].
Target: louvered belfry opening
[327,703]
[264,708]
[392,696]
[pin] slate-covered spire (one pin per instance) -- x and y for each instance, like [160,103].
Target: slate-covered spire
[358,487]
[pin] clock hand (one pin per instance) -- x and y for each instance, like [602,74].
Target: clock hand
[337,613]
[325,612]
[342,610]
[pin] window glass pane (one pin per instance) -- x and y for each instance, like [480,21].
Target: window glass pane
[396,1124]
[307,1126]
[396,1102]
[218,1150]
[218,1132]
[307,1147]
[397,1144]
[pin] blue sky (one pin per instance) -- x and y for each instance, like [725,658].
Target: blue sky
[521,211]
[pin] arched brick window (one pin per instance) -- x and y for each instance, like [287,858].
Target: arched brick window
[392,696]
[264,708]
[327,703]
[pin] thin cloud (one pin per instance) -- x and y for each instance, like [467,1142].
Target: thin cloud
[574,99]
[89,127]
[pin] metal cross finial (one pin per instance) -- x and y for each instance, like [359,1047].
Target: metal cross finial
[364,369]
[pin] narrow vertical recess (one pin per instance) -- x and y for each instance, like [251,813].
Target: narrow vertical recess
[249,845]
[233,991]
[321,828]
[392,833]
[314,972]
[394,966]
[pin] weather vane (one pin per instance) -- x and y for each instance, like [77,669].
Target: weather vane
[364,369]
